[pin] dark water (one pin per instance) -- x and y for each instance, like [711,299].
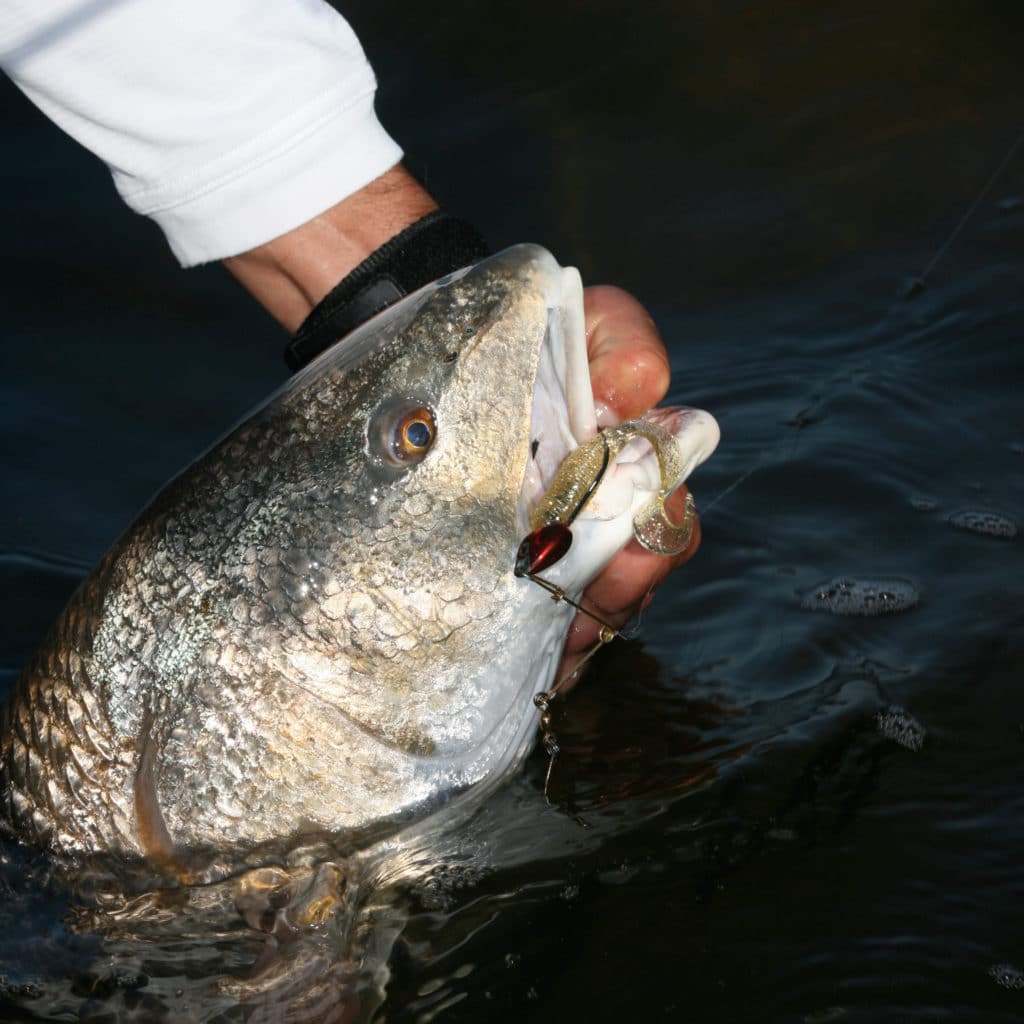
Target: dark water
[769,179]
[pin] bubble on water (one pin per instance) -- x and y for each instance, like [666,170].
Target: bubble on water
[19,990]
[979,520]
[848,595]
[826,1016]
[1007,975]
[923,504]
[895,724]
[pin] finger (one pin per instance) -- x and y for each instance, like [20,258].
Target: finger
[630,373]
[628,577]
[629,367]
[624,587]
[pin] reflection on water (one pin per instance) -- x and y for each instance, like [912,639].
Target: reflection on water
[761,843]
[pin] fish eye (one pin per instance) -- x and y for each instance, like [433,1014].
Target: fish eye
[414,434]
[400,433]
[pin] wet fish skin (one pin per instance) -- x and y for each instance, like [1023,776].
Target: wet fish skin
[297,636]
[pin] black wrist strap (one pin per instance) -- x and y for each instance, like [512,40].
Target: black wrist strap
[432,247]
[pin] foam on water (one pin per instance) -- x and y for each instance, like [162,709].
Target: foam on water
[897,725]
[1007,976]
[848,595]
[979,520]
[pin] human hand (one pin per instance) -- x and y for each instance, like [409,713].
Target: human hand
[630,373]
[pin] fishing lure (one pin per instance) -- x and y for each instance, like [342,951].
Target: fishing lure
[551,537]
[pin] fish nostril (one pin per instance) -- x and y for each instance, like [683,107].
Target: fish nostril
[534,445]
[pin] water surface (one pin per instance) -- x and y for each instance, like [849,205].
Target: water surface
[769,179]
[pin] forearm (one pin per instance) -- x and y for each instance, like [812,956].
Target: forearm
[227,124]
[290,274]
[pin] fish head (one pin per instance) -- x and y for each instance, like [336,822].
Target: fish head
[444,422]
[415,451]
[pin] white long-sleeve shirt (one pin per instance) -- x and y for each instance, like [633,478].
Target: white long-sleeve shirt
[229,122]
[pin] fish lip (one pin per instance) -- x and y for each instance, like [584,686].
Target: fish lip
[563,414]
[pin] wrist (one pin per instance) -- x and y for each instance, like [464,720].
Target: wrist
[434,246]
[290,274]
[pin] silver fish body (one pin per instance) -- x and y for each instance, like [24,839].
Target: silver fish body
[315,629]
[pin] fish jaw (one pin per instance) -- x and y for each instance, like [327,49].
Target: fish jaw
[562,414]
[563,417]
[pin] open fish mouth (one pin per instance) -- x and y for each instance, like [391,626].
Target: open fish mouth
[563,414]
[622,493]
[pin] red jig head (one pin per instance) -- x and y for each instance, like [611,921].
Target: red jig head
[542,548]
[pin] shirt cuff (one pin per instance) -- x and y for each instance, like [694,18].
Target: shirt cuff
[279,187]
